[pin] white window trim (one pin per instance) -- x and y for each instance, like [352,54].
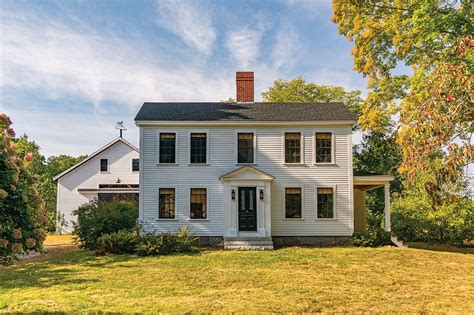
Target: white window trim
[334,204]
[175,203]
[283,152]
[236,146]
[100,166]
[302,203]
[207,148]
[207,203]
[138,165]
[176,158]
[333,147]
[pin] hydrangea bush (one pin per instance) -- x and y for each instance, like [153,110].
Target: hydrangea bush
[22,221]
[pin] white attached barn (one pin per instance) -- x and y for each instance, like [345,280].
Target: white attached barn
[110,173]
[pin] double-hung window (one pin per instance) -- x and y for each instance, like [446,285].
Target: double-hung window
[325,203]
[167,203]
[245,148]
[135,165]
[293,203]
[198,203]
[104,165]
[292,147]
[167,148]
[198,149]
[324,147]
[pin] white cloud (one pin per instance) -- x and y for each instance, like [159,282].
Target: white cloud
[244,45]
[191,22]
[286,44]
[39,54]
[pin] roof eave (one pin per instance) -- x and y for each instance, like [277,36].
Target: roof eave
[139,123]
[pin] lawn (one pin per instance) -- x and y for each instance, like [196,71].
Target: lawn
[289,279]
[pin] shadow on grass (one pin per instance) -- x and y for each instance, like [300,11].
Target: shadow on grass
[442,247]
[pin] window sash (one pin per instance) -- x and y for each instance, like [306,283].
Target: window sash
[293,147]
[104,165]
[167,198]
[245,148]
[135,165]
[293,203]
[167,148]
[323,147]
[198,209]
[325,200]
[198,150]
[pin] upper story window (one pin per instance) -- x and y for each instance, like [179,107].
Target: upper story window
[198,203]
[135,165]
[323,147]
[166,203]
[104,165]
[293,203]
[293,147]
[167,148]
[198,148]
[245,148]
[325,203]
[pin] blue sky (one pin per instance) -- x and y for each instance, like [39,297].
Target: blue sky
[70,70]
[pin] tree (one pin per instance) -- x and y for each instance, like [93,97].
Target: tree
[378,154]
[298,90]
[22,220]
[45,170]
[434,102]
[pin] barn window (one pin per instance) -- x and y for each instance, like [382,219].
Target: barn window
[104,165]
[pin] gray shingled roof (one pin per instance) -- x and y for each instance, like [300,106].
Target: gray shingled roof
[244,111]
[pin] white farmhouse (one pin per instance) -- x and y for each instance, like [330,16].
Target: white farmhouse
[110,173]
[252,174]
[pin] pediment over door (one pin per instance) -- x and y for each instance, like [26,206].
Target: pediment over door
[246,172]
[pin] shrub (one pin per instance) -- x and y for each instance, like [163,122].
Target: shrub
[372,237]
[22,221]
[154,245]
[415,220]
[121,242]
[185,239]
[99,218]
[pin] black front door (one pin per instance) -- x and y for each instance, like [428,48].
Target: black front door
[247,209]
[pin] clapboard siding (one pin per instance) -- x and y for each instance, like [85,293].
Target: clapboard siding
[222,159]
[88,175]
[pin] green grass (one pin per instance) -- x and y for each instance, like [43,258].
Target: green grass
[285,280]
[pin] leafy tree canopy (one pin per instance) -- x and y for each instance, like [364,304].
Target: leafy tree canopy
[434,102]
[298,90]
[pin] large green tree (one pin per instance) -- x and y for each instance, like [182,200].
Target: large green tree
[432,102]
[298,90]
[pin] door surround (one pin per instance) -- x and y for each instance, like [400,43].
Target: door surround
[247,176]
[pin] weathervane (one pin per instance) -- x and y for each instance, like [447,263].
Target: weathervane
[120,127]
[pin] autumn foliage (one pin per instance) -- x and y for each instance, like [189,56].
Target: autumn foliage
[22,221]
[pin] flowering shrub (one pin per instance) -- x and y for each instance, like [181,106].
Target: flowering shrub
[21,217]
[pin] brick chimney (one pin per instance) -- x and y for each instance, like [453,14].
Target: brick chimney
[245,84]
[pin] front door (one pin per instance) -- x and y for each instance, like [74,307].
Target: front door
[247,209]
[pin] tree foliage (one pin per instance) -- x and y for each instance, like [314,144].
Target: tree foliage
[22,220]
[45,170]
[299,91]
[433,103]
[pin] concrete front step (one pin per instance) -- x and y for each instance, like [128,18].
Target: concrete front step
[248,243]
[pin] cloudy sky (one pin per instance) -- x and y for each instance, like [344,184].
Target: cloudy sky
[69,70]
